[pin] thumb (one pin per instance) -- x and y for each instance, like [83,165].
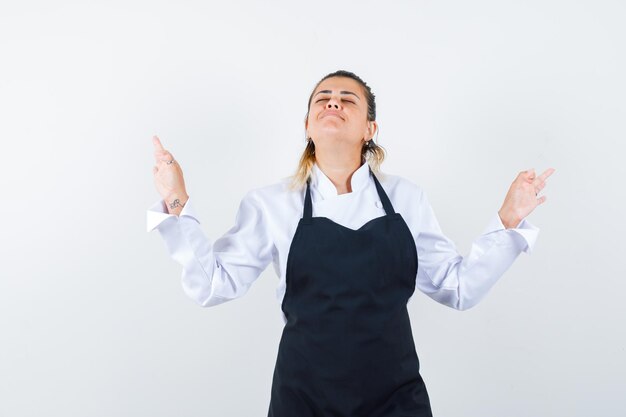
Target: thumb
[530,174]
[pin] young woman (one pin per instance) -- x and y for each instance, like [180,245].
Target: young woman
[345,240]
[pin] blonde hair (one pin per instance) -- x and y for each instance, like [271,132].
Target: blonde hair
[372,154]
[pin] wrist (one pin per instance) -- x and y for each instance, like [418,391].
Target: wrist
[176,202]
[509,221]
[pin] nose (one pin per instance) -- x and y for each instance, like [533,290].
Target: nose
[332,104]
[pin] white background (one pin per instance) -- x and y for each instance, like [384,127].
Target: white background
[93,319]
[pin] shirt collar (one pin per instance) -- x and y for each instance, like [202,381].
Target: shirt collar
[327,189]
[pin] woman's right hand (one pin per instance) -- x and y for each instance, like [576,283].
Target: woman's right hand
[168,178]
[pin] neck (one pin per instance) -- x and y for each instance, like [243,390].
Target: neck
[338,167]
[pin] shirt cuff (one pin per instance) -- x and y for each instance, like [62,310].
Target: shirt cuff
[157,213]
[525,229]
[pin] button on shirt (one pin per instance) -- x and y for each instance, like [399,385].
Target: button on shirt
[216,271]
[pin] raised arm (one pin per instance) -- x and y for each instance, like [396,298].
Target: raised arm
[215,272]
[461,282]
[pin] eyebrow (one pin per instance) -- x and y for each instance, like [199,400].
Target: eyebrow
[341,92]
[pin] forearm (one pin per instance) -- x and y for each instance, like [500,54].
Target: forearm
[461,282]
[214,272]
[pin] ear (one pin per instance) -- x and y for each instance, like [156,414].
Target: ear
[372,128]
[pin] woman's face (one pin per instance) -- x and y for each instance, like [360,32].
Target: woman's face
[338,112]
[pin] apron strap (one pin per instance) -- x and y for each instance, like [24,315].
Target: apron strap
[383,195]
[308,207]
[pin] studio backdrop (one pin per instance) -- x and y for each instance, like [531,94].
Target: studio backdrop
[93,318]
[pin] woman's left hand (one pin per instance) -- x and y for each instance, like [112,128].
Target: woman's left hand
[521,198]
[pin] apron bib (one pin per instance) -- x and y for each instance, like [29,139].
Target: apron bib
[347,349]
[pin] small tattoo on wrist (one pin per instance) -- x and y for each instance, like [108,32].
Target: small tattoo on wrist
[176,203]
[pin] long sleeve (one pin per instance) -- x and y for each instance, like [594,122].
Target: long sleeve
[220,271]
[461,282]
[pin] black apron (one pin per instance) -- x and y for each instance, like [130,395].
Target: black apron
[347,349]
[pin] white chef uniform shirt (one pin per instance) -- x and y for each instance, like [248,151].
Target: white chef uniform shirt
[218,271]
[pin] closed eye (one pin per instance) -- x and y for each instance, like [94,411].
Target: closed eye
[322,99]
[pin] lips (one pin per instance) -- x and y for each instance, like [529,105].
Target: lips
[332,113]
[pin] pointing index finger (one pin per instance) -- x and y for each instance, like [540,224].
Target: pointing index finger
[157,143]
